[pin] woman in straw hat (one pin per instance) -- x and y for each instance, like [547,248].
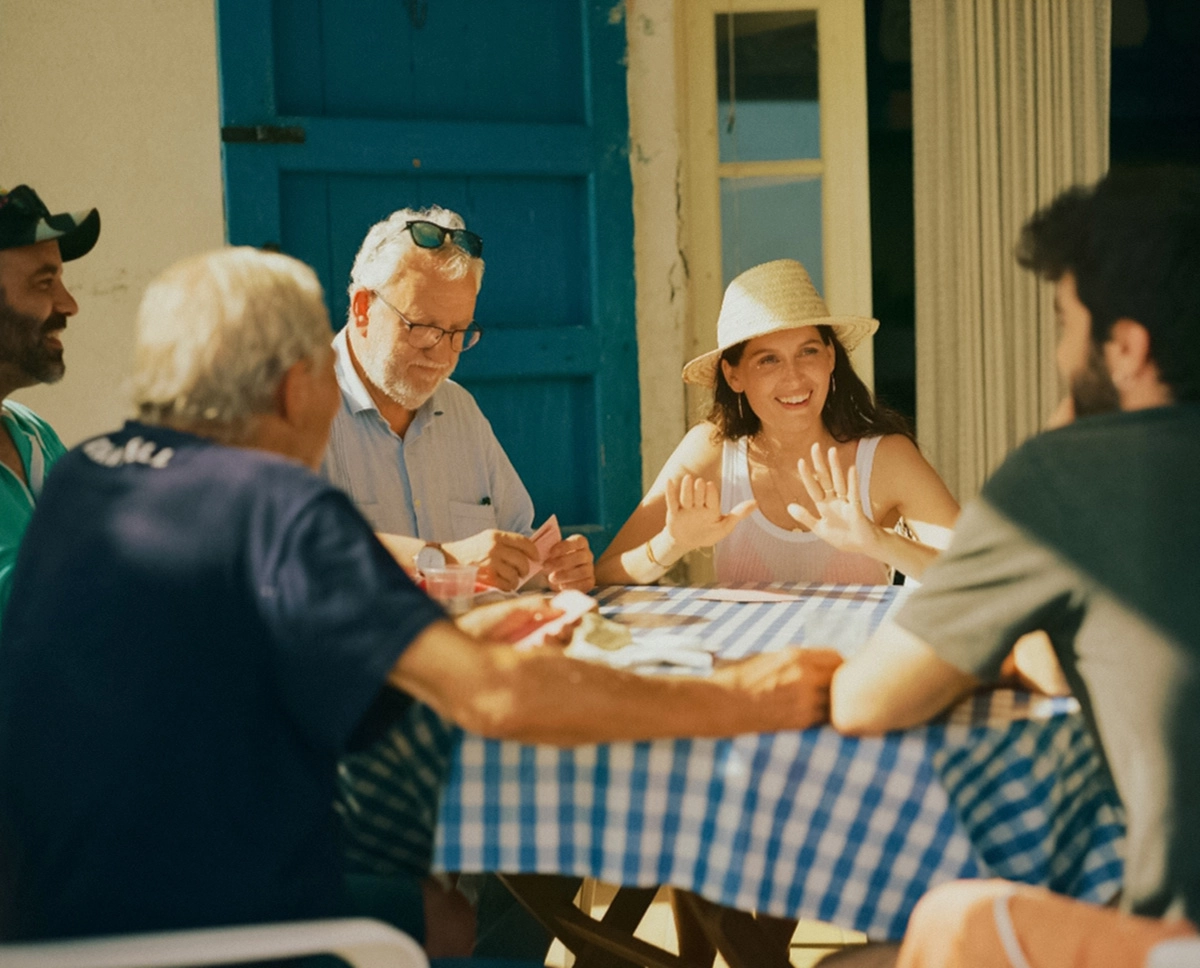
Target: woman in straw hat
[814,476]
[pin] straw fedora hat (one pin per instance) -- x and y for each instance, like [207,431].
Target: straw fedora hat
[769,298]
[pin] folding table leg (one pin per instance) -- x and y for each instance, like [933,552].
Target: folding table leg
[743,941]
[596,944]
[624,914]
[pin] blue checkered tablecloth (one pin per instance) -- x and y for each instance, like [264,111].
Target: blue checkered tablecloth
[804,824]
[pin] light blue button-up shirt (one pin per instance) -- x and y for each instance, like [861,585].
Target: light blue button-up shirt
[447,478]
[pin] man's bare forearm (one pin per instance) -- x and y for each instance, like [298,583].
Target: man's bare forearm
[542,696]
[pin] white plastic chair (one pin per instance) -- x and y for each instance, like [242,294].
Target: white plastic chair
[360,942]
[1176,953]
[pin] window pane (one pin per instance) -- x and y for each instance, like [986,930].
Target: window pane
[771,218]
[767,97]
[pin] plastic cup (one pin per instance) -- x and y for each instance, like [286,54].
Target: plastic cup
[453,586]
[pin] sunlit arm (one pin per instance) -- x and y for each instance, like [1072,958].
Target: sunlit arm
[540,695]
[894,682]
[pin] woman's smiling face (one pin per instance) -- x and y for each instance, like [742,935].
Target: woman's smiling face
[784,375]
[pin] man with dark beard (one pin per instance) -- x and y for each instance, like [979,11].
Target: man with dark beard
[34,306]
[1090,532]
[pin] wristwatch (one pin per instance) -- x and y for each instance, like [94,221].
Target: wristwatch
[431,556]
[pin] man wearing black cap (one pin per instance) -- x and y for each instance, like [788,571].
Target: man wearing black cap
[34,306]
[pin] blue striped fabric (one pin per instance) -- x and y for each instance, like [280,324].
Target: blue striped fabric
[804,824]
[387,795]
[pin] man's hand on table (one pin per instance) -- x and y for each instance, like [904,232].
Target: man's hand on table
[569,564]
[512,620]
[789,688]
[504,558]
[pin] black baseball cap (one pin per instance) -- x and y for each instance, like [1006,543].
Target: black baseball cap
[25,220]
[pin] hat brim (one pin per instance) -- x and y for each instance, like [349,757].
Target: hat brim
[76,232]
[850,330]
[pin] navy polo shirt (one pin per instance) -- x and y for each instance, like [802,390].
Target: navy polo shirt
[194,632]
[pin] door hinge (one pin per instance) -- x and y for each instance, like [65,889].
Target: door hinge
[266,134]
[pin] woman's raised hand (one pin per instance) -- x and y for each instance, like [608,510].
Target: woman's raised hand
[839,517]
[694,518]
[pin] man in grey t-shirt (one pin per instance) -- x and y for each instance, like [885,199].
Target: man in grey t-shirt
[1090,532]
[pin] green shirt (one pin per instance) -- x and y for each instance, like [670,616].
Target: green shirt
[39,447]
[1092,533]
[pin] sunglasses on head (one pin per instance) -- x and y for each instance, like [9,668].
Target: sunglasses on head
[430,235]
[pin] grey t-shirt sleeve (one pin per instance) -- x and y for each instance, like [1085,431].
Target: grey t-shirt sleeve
[992,585]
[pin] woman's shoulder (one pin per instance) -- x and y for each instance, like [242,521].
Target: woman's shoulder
[898,449]
[698,454]
[903,478]
[704,434]
[700,448]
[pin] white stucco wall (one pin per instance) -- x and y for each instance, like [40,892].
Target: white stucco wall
[112,104]
[660,261]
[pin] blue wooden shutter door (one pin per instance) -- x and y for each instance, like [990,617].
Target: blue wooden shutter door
[511,112]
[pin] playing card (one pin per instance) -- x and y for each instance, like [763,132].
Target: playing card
[547,536]
[544,538]
[573,605]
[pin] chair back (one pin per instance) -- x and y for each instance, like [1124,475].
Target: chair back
[360,942]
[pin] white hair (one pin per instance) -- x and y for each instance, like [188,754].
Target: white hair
[388,242]
[216,333]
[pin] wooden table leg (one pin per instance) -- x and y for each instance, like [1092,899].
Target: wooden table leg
[743,941]
[607,943]
[624,914]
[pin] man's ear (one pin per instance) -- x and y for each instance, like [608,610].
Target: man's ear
[360,303]
[1127,353]
[293,392]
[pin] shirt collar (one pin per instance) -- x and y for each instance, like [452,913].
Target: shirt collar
[355,392]
[353,388]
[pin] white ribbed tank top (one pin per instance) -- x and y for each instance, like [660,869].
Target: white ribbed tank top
[759,551]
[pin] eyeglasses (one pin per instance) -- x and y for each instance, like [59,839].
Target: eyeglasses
[430,235]
[424,336]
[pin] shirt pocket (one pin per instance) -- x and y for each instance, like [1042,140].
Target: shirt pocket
[468,519]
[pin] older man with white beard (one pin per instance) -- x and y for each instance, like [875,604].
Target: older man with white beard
[410,446]
[200,627]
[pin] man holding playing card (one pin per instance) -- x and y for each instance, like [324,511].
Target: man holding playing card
[410,446]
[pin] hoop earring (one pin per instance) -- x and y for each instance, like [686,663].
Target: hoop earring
[741,412]
[832,384]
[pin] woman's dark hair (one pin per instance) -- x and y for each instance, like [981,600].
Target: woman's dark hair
[849,412]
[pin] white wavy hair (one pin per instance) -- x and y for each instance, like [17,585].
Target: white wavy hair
[216,332]
[387,243]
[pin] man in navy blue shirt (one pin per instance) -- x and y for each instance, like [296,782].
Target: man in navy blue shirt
[200,624]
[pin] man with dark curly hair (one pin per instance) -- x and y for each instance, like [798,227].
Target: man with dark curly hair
[1089,532]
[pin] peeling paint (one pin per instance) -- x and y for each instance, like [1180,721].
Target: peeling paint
[679,220]
[640,156]
[616,13]
[647,25]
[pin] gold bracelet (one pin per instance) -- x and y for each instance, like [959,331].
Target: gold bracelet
[650,554]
